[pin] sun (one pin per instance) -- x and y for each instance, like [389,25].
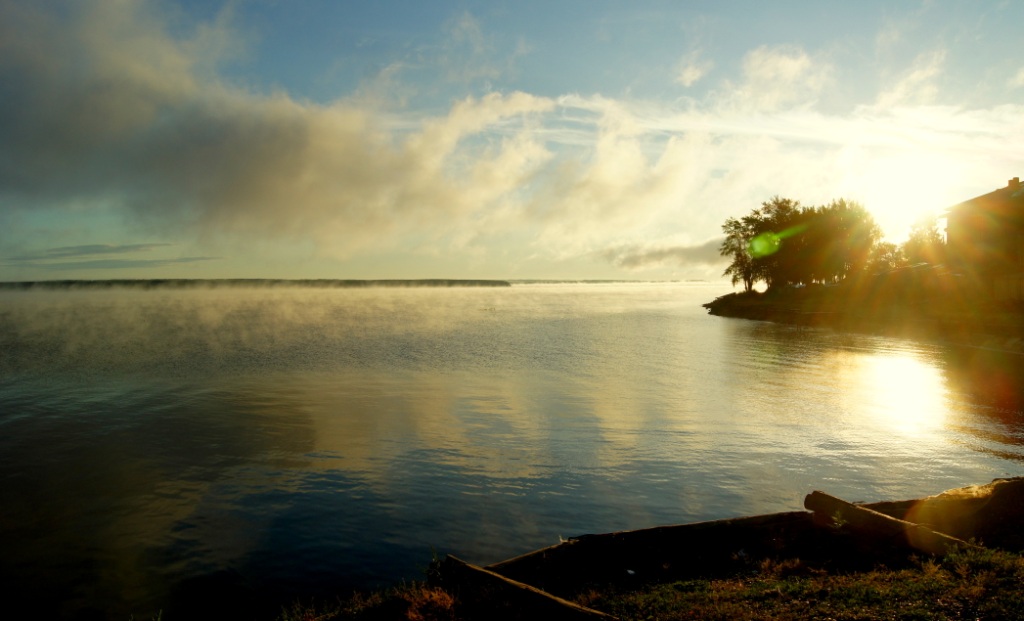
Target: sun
[901,188]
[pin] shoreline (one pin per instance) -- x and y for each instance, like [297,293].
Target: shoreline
[236,283]
[963,544]
[999,329]
[830,534]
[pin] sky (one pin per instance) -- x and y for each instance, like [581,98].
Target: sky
[572,139]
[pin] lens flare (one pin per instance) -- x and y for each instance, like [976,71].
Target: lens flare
[768,243]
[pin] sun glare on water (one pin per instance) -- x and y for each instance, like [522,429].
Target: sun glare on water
[906,394]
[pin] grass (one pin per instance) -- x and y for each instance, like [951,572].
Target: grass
[416,601]
[967,584]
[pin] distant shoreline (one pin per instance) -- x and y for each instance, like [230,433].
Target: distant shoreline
[314,283]
[202,283]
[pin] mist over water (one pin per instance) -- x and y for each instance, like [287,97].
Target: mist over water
[265,444]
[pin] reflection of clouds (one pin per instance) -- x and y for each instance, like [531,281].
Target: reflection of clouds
[483,427]
[484,422]
[342,356]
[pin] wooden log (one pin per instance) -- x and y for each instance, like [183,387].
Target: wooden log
[485,592]
[990,513]
[837,513]
[663,552]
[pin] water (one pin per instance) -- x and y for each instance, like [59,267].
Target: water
[258,446]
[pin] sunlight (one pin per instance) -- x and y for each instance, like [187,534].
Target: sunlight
[901,188]
[906,394]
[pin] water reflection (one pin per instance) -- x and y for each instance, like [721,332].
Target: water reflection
[881,411]
[906,392]
[99,486]
[992,377]
[990,383]
[264,445]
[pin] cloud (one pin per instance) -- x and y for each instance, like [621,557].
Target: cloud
[55,259]
[917,85]
[625,180]
[118,264]
[638,257]
[466,52]
[888,37]
[116,112]
[692,67]
[103,110]
[777,77]
[87,250]
[1017,81]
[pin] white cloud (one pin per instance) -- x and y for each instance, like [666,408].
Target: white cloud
[467,52]
[916,86]
[117,114]
[775,78]
[104,109]
[888,37]
[1017,81]
[692,67]
[622,183]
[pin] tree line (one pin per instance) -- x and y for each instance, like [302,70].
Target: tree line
[781,243]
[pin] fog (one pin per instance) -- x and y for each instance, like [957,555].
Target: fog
[195,329]
[198,330]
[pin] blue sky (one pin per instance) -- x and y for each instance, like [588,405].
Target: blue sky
[574,139]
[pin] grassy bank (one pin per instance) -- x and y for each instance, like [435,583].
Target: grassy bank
[968,584]
[838,560]
[971,584]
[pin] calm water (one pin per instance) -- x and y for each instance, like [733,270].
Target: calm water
[264,445]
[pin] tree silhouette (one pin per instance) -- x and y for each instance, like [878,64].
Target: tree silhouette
[738,234]
[779,227]
[926,243]
[782,244]
[885,257]
[847,234]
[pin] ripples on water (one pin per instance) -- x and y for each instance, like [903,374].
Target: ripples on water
[263,445]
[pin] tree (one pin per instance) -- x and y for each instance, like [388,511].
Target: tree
[849,233]
[926,243]
[781,243]
[885,257]
[775,245]
[738,234]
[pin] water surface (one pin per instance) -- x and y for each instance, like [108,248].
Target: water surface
[268,444]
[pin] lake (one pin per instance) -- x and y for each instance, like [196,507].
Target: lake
[261,445]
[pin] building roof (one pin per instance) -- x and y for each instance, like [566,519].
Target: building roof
[1006,201]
